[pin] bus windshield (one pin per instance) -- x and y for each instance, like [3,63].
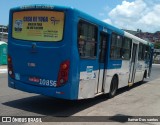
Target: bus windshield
[38,25]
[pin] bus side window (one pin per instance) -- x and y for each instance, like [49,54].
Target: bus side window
[87,37]
[116,46]
[103,41]
[126,49]
[141,52]
[147,53]
[81,45]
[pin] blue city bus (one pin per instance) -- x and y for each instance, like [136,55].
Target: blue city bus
[64,53]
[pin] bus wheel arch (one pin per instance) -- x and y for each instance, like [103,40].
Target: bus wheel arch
[113,86]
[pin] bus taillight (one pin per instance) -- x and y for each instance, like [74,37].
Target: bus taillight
[63,73]
[10,67]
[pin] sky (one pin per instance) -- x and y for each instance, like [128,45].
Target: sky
[124,14]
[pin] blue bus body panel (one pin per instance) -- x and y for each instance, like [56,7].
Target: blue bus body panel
[114,64]
[48,91]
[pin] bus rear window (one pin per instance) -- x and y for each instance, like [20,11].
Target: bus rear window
[38,25]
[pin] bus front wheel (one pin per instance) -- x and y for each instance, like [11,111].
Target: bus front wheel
[113,87]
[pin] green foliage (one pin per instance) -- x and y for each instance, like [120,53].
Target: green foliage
[157,45]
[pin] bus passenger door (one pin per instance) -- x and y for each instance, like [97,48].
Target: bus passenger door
[102,60]
[133,64]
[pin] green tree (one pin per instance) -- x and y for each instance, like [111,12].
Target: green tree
[157,45]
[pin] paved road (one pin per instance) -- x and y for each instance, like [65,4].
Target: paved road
[141,100]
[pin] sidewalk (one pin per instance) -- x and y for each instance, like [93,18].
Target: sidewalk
[3,69]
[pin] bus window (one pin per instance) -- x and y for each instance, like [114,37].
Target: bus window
[116,46]
[87,37]
[147,52]
[38,25]
[141,52]
[126,49]
[103,41]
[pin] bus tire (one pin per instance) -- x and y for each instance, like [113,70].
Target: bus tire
[113,87]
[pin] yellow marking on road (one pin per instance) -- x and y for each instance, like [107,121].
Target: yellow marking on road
[130,84]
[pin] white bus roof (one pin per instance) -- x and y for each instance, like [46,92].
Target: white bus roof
[135,38]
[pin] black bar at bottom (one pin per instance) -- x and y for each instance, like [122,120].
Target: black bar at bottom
[80,119]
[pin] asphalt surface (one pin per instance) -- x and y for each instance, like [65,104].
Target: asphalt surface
[140,100]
